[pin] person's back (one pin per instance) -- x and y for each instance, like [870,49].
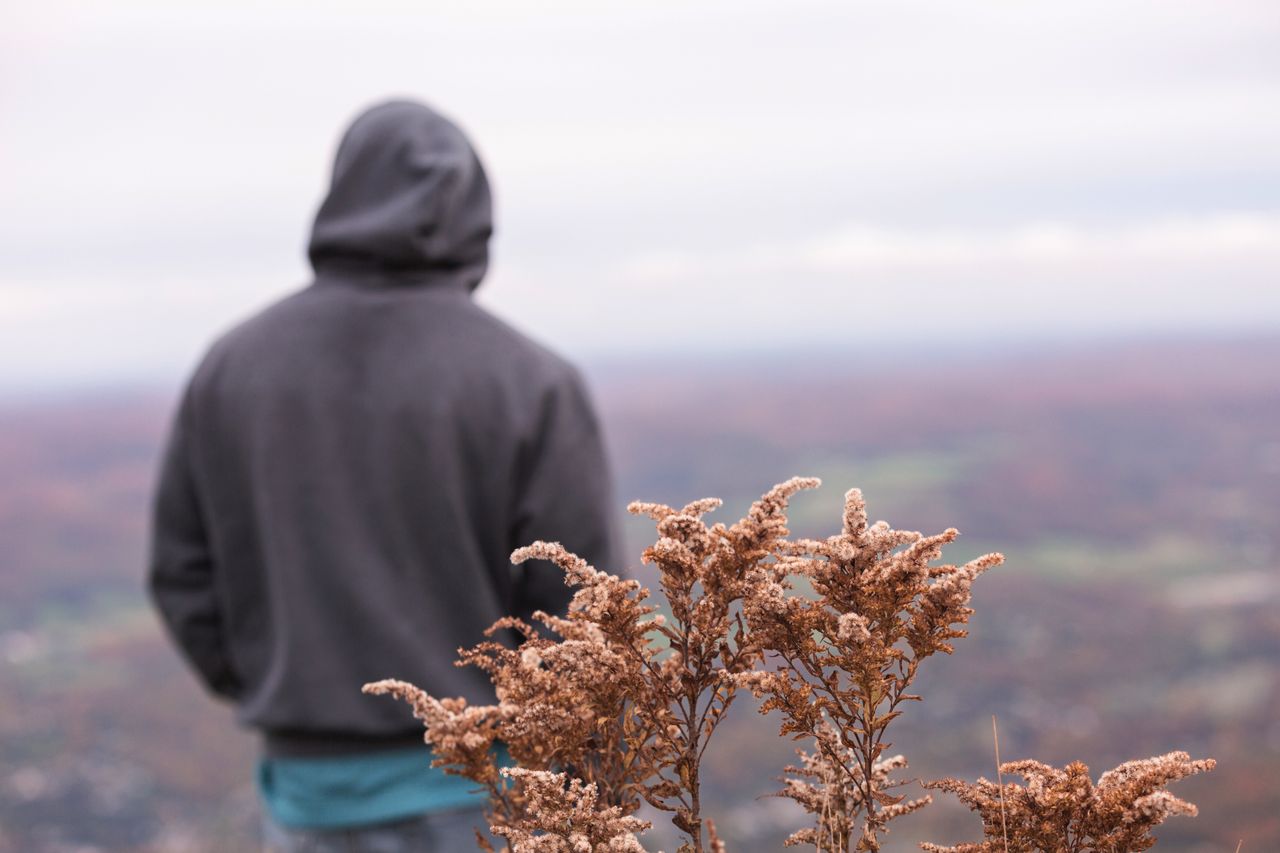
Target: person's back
[350,469]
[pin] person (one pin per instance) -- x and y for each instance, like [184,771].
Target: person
[346,476]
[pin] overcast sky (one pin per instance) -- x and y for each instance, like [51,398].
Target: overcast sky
[670,176]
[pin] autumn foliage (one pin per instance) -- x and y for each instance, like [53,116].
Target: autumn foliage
[613,705]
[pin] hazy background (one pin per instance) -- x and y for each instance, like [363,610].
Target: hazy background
[711,175]
[1012,267]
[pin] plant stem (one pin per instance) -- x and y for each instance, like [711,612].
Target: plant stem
[1004,827]
[694,784]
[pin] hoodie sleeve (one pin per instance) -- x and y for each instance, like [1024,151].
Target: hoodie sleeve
[565,495]
[181,571]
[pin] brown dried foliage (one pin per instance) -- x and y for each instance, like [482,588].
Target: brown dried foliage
[1063,811]
[703,572]
[563,815]
[616,696]
[613,705]
[563,704]
[849,653]
[827,790]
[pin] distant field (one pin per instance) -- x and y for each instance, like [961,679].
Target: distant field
[1135,491]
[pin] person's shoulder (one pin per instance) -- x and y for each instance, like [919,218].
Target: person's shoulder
[516,350]
[241,339]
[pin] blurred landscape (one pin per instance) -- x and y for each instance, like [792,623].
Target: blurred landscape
[1134,489]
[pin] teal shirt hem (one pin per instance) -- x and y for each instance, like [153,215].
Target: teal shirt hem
[354,790]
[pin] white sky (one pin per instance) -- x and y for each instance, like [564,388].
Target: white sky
[693,175]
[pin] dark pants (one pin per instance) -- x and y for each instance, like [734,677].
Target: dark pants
[440,831]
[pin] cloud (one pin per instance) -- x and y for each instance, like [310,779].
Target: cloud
[662,179]
[858,248]
[866,285]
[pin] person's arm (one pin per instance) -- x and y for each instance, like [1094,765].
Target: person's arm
[181,571]
[565,495]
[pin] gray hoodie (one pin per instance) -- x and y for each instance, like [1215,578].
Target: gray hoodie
[349,470]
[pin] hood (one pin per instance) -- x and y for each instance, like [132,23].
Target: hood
[409,201]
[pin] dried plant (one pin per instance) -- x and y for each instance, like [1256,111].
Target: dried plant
[563,704]
[826,790]
[462,740]
[613,705]
[563,815]
[616,696]
[704,572]
[848,654]
[1063,811]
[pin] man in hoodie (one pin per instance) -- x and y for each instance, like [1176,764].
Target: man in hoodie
[346,476]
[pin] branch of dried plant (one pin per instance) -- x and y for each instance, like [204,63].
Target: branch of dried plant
[1064,811]
[612,693]
[847,655]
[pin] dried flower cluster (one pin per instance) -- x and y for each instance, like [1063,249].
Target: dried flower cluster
[562,815]
[704,573]
[1063,811]
[848,654]
[618,697]
[613,705]
[824,787]
[563,704]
